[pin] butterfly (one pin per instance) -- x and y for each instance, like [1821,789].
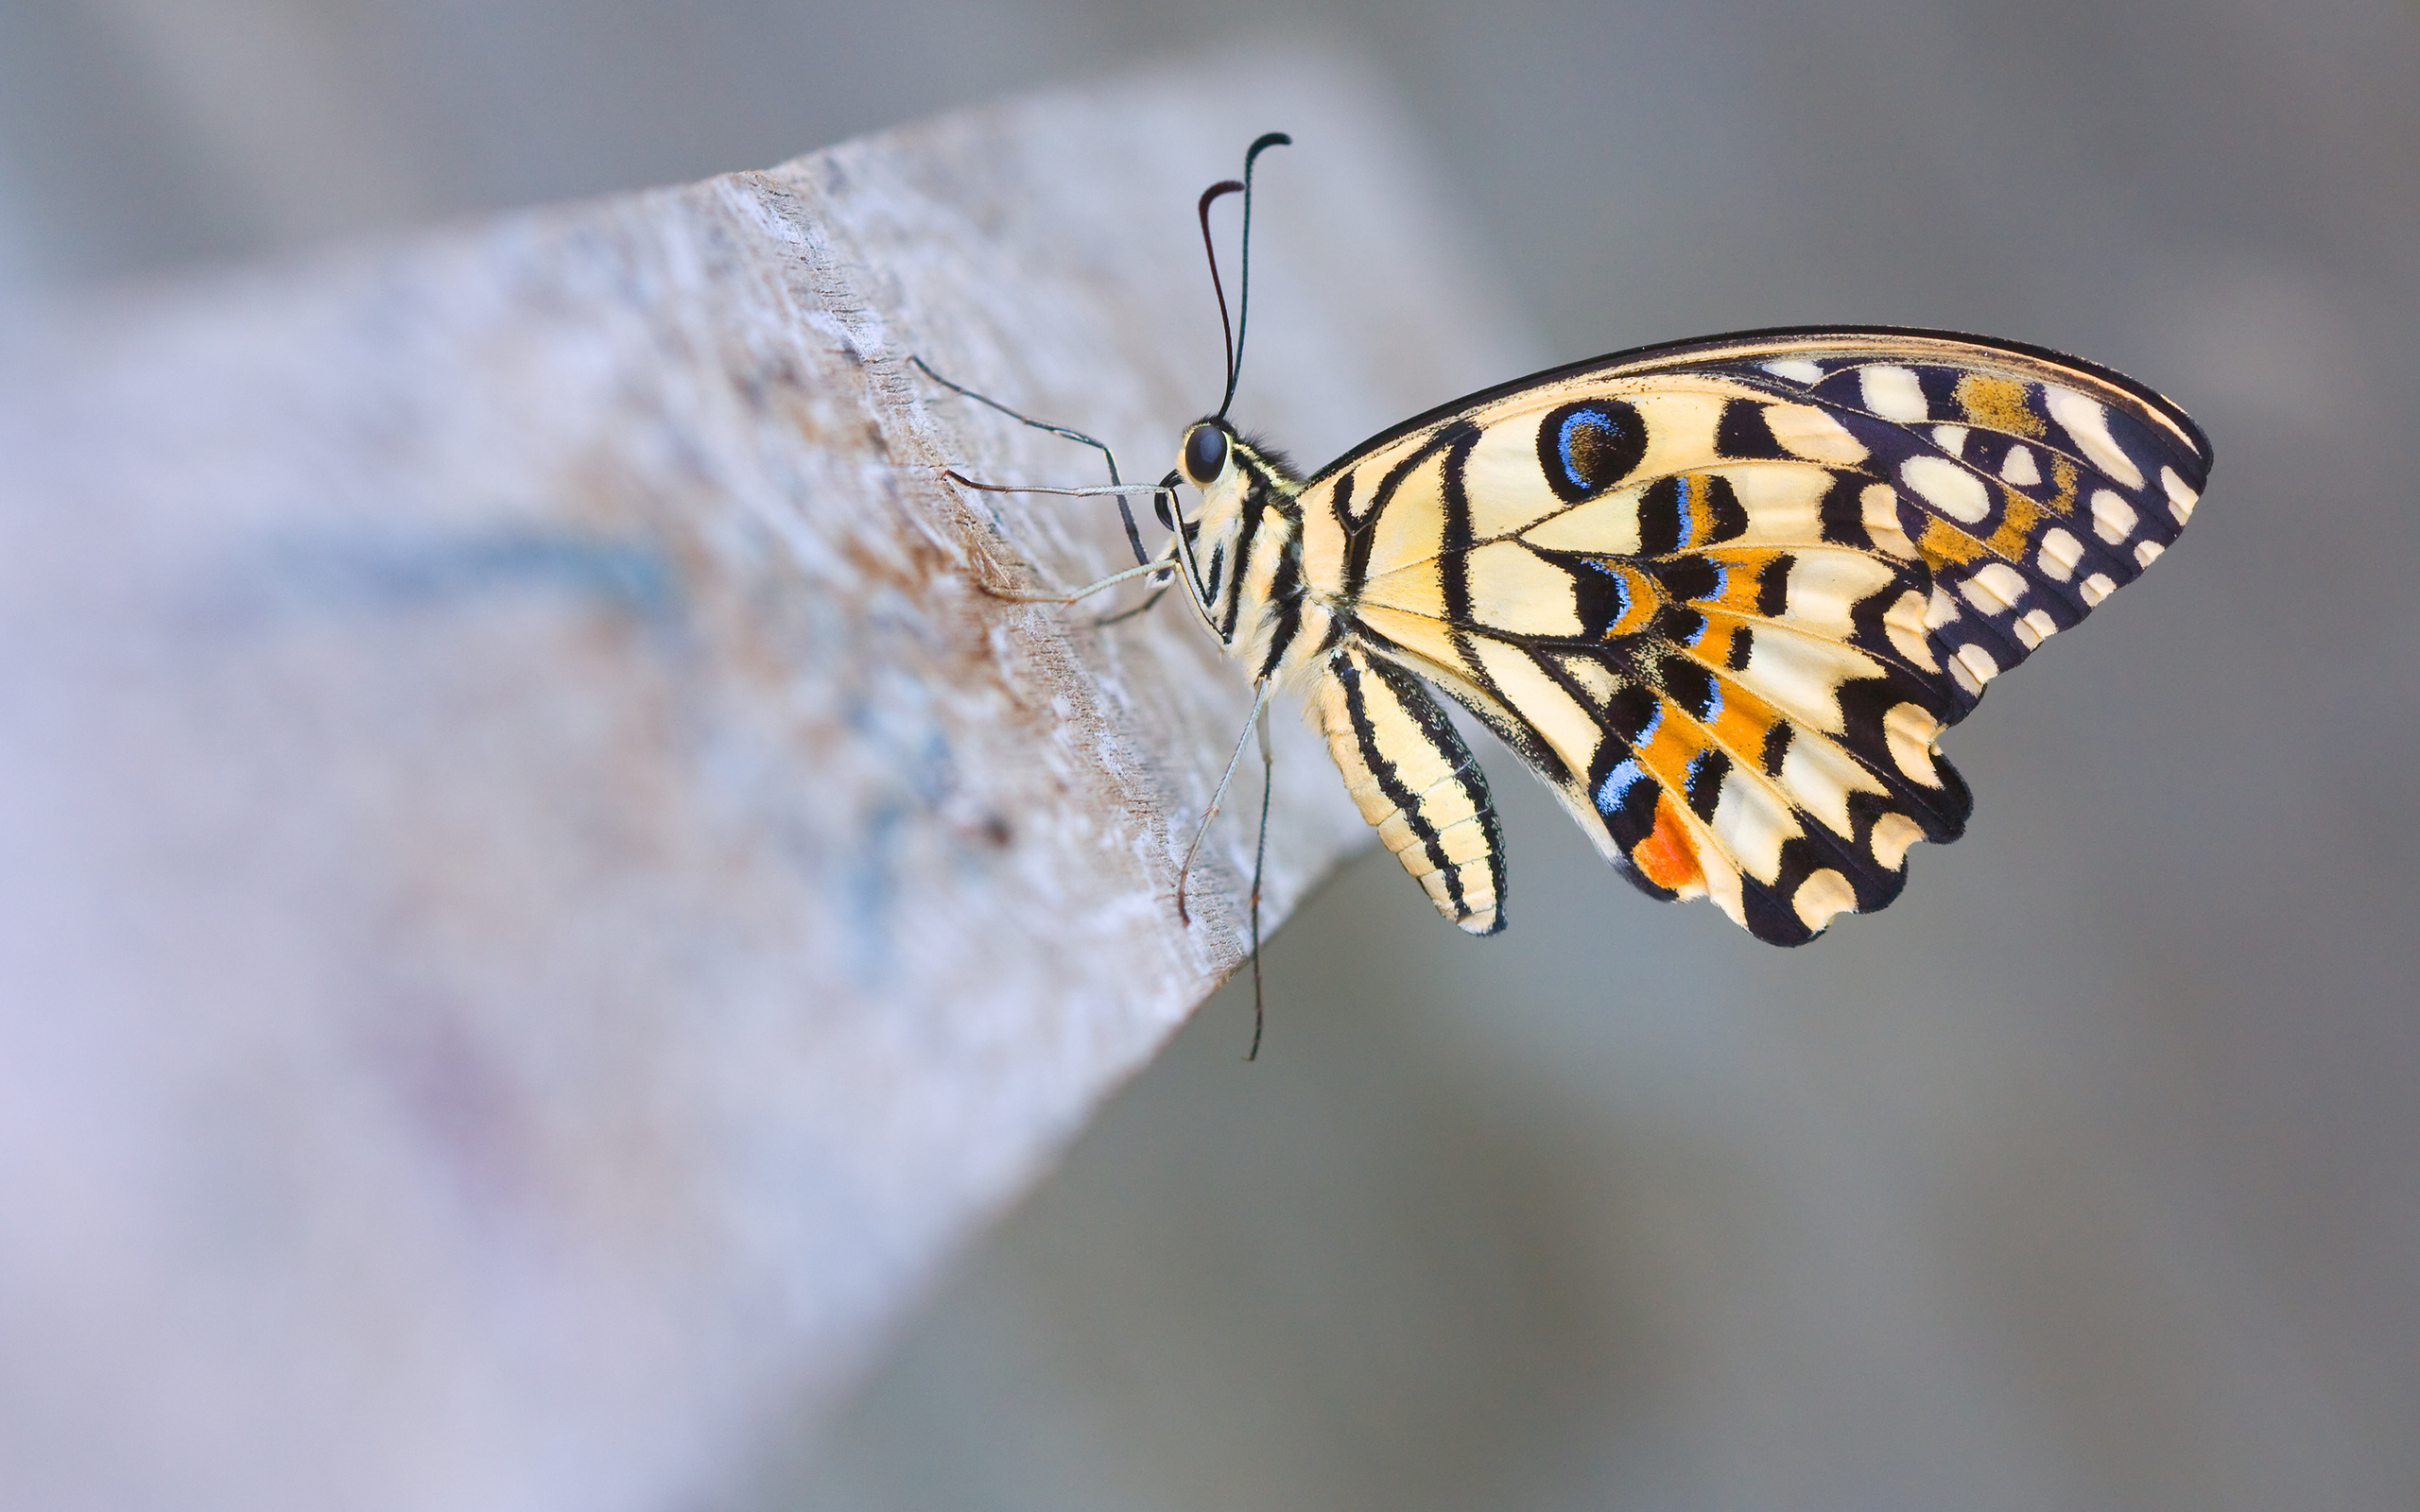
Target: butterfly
[1722,595]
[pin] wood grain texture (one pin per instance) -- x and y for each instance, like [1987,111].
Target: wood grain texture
[538,898]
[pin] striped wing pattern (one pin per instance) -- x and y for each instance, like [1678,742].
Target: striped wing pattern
[1726,596]
[1416,782]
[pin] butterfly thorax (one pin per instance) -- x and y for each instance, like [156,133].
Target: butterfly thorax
[1243,553]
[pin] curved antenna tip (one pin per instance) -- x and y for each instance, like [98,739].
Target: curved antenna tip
[1243,281]
[1201,211]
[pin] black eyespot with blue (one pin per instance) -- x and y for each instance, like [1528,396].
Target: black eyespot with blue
[1601,597]
[1702,784]
[1205,453]
[1588,447]
[1691,686]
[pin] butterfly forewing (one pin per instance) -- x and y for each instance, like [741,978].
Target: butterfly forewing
[1724,597]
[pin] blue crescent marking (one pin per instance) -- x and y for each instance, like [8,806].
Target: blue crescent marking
[1617,784]
[1622,592]
[1587,419]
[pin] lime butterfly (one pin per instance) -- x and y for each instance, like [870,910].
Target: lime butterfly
[1722,595]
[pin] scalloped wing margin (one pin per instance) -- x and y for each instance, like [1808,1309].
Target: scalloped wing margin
[1724,598]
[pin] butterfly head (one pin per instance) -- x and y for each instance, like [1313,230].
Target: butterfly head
[1242,483]
[1247,510]
[1236,475]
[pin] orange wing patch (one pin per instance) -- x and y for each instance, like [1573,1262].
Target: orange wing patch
[1666,857]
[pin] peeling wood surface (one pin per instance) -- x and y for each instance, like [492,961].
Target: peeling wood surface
[537,899]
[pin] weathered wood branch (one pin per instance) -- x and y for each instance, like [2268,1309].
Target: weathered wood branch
[541,896]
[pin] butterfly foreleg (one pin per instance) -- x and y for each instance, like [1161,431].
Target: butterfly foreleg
[1416,782]
[1070,596]
[1133,536]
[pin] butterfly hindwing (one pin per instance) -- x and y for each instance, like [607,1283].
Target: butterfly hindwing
[1724,597]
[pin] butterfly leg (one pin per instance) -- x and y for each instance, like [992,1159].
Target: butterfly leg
[1124,614]
[1259,706]
[1055,595]
[1143,569]
[1416,782]
[1259,864]
[1133,536]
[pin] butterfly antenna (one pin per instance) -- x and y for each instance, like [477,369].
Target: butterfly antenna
[1243,275]
[1226,331]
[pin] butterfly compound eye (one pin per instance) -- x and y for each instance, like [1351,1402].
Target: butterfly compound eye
[1205,455]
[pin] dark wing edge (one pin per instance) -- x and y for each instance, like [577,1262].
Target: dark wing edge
[1783,341]
[2032,487]
[2010,548]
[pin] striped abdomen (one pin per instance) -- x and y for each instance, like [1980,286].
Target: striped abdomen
[1416,782]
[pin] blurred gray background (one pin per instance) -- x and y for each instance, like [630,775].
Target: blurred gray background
[2089,1176]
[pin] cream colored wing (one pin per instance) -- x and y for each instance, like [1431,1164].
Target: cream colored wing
[1726,596]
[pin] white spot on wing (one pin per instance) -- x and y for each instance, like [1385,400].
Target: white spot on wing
[1821,897]
[1893,393]
[1908,732]
[1814,434]
[1721,884]
[1752,825]
[2059,554]
[2180,498]
[2089,424]
[1797,370]
[1819,776]
[1784,499]
[2020,469]
[1801,676]
[1893,835]
[1950,439]
[1824,587]
[1994,587]
[1948,487]
[2147,553]
[1597,681]
[1940,610]
[1904,623]
[2036,627]
[1978,663]
[1878,507]
[2096,588]
[2112,518]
